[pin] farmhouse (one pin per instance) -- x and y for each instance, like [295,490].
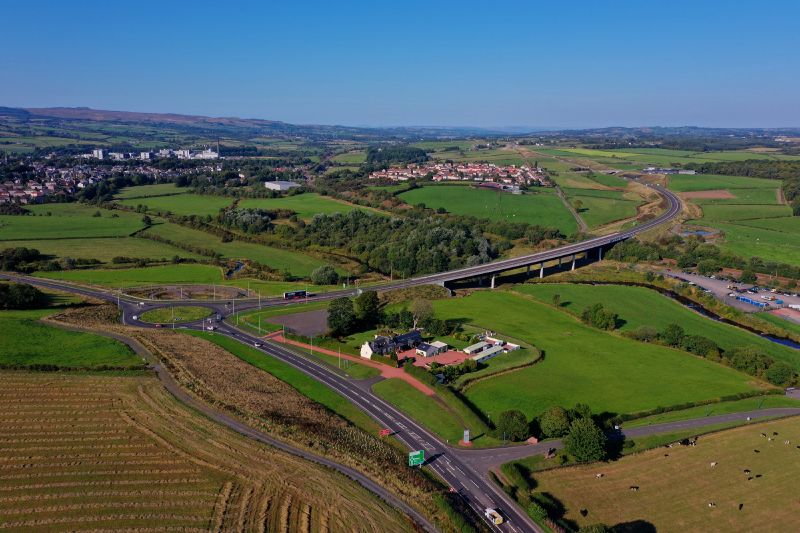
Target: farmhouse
[280,185]
[476,348]
[485,355]
[425,349]
[382,345]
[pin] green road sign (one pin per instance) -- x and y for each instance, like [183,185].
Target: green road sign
[416,458]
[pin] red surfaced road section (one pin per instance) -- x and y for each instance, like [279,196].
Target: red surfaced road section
[386,371]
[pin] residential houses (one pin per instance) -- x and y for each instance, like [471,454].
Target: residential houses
[510,175]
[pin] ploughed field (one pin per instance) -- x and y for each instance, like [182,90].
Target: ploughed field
[676,485]
[102,452]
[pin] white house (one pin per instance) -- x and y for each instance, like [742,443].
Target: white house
[280,185]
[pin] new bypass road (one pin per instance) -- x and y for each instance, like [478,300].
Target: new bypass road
[487,269]
[476,490]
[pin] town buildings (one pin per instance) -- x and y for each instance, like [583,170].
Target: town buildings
[510,175]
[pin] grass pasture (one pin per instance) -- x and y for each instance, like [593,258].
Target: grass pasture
[147,191]
[27,342]
[181,204]
[674,491]
[582,364]
[130,277]
[278,258]
[638,306]
[68,221]
[103,249]
[709,182]
[600,207]
[773,239]
[121,452]
[542,207]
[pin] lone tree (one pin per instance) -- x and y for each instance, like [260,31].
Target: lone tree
[512,425]
[554,422]
[780,374]
[748,276]
[324,275]
[557,300]
[585,441]
[422,310]
[146,220]
[367,308]
[341,316]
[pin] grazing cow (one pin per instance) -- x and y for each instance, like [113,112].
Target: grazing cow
[634,488]
[712,504]
[774,433]
[740,506]
[786,442]
[747,471]
[598,476]
[770,439]
[757,451]
[750,478]
[758,476]
[713,464]
[584,512]
[764,435]
[666,455]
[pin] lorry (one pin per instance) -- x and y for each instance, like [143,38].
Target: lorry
[493,516]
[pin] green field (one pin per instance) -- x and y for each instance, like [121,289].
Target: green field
[761,196]
[131,277]
[583,364]
[781,244]
[182,204]
[146,191]
[638,306]
[720,408]
[424,409]
[710,182]
[781,322]
[600,207]
[103,249]
[279,259]
[305,205]
[543,207]
[346,158]
[177,315]
[724,213]
[68,221]
[300,381]
[27,342]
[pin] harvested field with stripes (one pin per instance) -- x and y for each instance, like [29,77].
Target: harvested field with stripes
[81,452]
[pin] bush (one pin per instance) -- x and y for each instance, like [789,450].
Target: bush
[700,345]
[599,317]
[595,528]
[643,334]
[536,512]
[325,275]
[341,316]
[672,335]
[780,374]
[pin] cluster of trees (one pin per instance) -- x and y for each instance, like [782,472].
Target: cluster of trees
[598,316]
[400,246]
[385,155]
[451,372]
[347,315]
[748,359]
[787,171]
[20,296]
[247,220]
[693,252]
[18,258]
[13,209]
[584,439]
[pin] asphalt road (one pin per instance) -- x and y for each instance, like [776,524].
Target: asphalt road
[449,464]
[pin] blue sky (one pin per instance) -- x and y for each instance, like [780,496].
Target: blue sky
[534,63]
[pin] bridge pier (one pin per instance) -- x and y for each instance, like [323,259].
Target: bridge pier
[493,278]
[573,262]
[528,273]
[600,254]
[541,271]
[559,262]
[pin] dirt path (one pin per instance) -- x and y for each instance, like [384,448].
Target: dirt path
[386,371]
[582,227]
[781,198]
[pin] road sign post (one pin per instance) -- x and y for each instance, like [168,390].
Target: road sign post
[416,458]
